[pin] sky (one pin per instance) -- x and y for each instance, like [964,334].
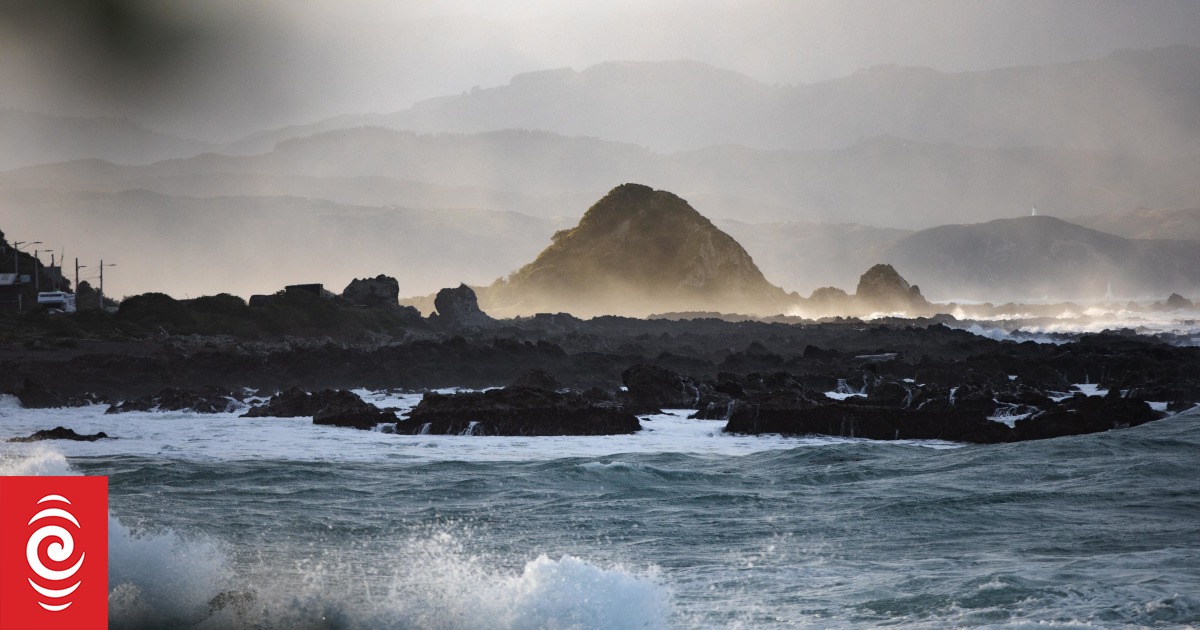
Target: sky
[219,69]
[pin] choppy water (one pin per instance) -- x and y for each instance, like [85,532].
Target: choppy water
[677,527]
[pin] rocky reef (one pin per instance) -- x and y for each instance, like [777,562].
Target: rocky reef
[520,411]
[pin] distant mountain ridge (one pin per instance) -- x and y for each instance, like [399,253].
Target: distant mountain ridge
[28,138]
[1136,102]
[1169,223]
[1031,257]
[883,181]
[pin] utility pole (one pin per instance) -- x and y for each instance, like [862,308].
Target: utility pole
[17,258]
[102,266]
[37,277]
[77,268]
[17,265]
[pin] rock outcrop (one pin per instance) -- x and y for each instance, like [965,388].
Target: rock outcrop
[882,288]
[459,308]
[653,388]
[62,433]
[34,395]
[336,407]
[378,292]
[517,411]
[1177,302]
[207,400]
[538,379]
[634,252]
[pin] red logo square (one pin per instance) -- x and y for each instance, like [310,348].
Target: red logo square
[53,553]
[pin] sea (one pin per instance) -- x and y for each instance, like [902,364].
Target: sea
[218,521]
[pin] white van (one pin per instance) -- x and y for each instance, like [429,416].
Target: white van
[57,300]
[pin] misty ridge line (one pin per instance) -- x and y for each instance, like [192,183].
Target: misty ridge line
[1009,107]
[876,188]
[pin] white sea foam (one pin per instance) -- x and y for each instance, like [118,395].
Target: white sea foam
[1022,327]
[449,588]
[226,437]
[160,579]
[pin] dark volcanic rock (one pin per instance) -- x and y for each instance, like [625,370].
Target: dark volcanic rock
[34,395]
[331,407]
[521,411]
[1085,414]
[538,379]
[380,291]
[652,387]
[890,394]
[208,400]
[358,415]
[775,415]
[61,433]
[459,308]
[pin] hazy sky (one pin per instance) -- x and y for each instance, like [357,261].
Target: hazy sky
[218,69]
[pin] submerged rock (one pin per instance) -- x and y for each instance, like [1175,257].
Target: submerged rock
[517,411]
[62,433]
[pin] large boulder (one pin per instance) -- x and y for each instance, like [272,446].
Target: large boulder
[517,411]
[380,291]
[459,308]
[356,414]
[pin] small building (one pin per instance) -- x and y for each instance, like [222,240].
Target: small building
[11,297]
[314,289]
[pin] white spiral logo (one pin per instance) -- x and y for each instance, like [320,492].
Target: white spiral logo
[59,551]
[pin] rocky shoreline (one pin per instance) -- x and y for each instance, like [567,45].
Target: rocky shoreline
[898,379]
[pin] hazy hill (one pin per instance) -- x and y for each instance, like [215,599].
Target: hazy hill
[1170,223]
[27,138]
[637,251]
[881,181]
[1141,102]
[243,245]
[1034,257]
[805,256]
